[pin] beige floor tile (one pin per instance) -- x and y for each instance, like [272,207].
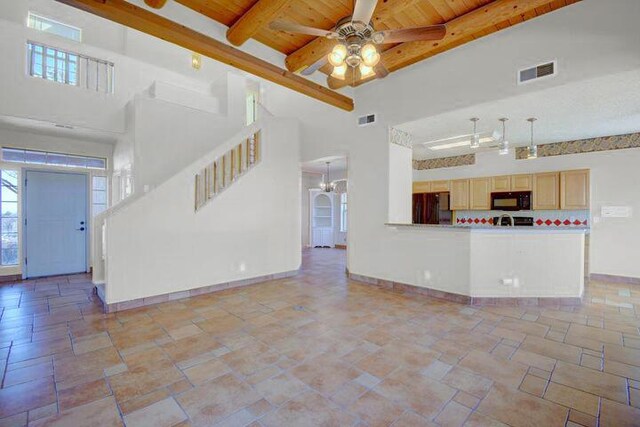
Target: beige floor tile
[572,398]
[102,413]
[520,409]
[614,414]
[206,371]
[497,369]
[165,413]
[217,399]
[533,385]
[86,345]
[376,410]
[590,381]
[308,409]
[281,388]
[453,415]
[82,394]
[552,349]
[23,397]
[468,381]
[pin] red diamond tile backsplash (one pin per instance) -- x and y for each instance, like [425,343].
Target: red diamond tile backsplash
[578,218]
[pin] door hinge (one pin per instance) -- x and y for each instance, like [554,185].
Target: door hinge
[25,222]
[25,182]
[25,261]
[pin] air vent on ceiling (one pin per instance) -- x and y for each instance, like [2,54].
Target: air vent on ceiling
[366,120]
[548,69]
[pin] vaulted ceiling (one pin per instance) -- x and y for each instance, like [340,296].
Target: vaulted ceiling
[465,20]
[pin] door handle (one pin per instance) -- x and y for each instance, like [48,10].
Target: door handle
[80,229]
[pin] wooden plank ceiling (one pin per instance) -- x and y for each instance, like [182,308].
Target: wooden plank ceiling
[302,50]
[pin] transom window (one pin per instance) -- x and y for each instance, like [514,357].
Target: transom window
[19,155]
[48,25]
[9,217]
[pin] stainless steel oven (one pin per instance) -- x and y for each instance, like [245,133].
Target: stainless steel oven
[512,201]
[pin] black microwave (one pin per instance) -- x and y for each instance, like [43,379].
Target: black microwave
[513,201]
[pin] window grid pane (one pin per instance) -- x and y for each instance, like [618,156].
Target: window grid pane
[65,67]
[9,217]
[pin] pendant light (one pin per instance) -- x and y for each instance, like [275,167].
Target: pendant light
[475,138]
[504,144]
[327,185]
[532,150]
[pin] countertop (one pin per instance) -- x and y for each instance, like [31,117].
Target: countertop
[494,229]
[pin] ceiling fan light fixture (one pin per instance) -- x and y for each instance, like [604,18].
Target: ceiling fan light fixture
[339,72]
[337,55]
[366,71]
[370,55]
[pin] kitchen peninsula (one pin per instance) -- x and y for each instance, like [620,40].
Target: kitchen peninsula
[500,262]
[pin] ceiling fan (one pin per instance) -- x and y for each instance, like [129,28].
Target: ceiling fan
[357,39]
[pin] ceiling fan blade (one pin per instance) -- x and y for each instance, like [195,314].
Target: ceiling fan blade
[432,32]
[363,10]
[315,66]
[292,27]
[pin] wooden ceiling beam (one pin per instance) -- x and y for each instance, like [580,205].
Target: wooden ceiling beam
[459,31]
[140,19]
[258,16]
[321,46]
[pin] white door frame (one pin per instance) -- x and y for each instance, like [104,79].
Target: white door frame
[88,218]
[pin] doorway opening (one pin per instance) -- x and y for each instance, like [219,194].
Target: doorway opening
[56,229]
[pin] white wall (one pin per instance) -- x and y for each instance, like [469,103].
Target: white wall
[249,230]
[400,188]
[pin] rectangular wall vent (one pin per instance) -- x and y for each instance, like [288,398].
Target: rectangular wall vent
[366,120]
[546,70]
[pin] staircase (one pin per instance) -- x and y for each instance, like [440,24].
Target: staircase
[226,169]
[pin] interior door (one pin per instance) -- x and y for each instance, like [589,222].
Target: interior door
[56,223]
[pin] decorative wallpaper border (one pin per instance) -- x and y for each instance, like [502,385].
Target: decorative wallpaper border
[605,143]
[544,218]
[445,162]
[400,137]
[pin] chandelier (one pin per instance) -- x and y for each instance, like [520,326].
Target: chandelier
[353,54]
[327,185]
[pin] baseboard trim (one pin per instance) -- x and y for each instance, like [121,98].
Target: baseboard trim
[407,289]
[11,278]
[612,278]
[157,299]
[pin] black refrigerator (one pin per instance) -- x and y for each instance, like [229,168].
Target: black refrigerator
[431,208]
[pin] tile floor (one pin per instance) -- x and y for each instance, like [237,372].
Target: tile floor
[315,350]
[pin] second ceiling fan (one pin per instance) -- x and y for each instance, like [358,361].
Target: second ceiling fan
[356,41]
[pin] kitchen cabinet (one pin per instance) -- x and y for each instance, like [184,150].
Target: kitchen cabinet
[500,184]
[439,186]
[480,194]
[459,194]
[546,191]
[574,189]
[421,186]
[521,182]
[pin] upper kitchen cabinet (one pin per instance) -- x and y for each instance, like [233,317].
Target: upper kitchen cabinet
[421,186]
[500,184]
[439,186]
[459,194]
[574,189]
[521,183]
[480,193]
[546,191]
